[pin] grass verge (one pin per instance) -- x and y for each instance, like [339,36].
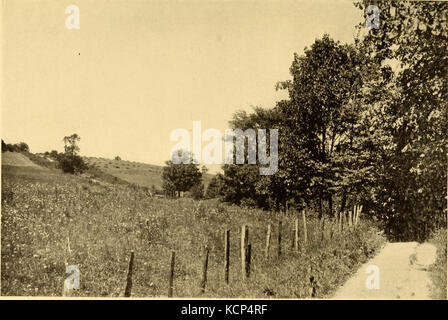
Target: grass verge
[438,269]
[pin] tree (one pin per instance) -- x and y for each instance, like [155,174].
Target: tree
[72,164]
[181,177]
[242,182]
[411,119]
[23,147]
[215,188]
[70,144]
[197,191]
[54,155]
[319,119]
[70,161]
[4,147]
[117,158]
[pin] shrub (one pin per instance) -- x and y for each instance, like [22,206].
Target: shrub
[18,147]
[72,164]
[43,162]
[215,187]
[438,269]
[197,191]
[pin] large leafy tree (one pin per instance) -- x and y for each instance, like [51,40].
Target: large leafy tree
[242,183]
[320,117]
[411,117]
[180,177]
[70,161]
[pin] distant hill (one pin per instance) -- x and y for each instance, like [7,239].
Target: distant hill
[17,159]
[142,174]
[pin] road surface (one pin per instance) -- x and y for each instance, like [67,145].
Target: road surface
[399,271]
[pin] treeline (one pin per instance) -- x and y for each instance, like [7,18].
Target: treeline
[17,147]
[68,161]
[365,123]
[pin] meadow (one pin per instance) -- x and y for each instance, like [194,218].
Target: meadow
[141,174]
[51,220]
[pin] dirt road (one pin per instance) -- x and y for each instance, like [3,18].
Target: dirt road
[399,271]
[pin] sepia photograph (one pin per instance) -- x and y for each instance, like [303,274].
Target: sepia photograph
[224,149]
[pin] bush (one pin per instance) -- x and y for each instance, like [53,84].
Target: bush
[41,161]
[248,203]
[438,269]
[72,164]
[215,187]
[197,191]
[18,147]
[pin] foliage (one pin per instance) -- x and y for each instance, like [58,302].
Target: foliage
[18,147]
[365,123]
[41,161]
[180,177]
[215,187]
[321,114]
[72,164]
[70,161]
[197,191]
[438,269]
[410,118]
[70,144]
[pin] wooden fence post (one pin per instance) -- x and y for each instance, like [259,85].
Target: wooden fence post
[248,250]
[268,242]
[204,271]
[305,235]
[296,235]
[355,207]
[279,248]
[359,211]
[128,289]
[323,230]
[350,218]
[340,221]
[244,233]
[226,255]
[292,236]
[333,224]
[171,284]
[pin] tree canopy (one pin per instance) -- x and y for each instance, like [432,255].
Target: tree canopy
[365,123]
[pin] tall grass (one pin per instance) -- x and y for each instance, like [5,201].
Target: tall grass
[438,269]
[51,222]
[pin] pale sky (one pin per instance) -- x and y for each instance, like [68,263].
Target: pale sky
[136,70]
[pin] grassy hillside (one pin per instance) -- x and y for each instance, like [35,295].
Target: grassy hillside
[142,174]
[17,159]
[53,220]
[111,171]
